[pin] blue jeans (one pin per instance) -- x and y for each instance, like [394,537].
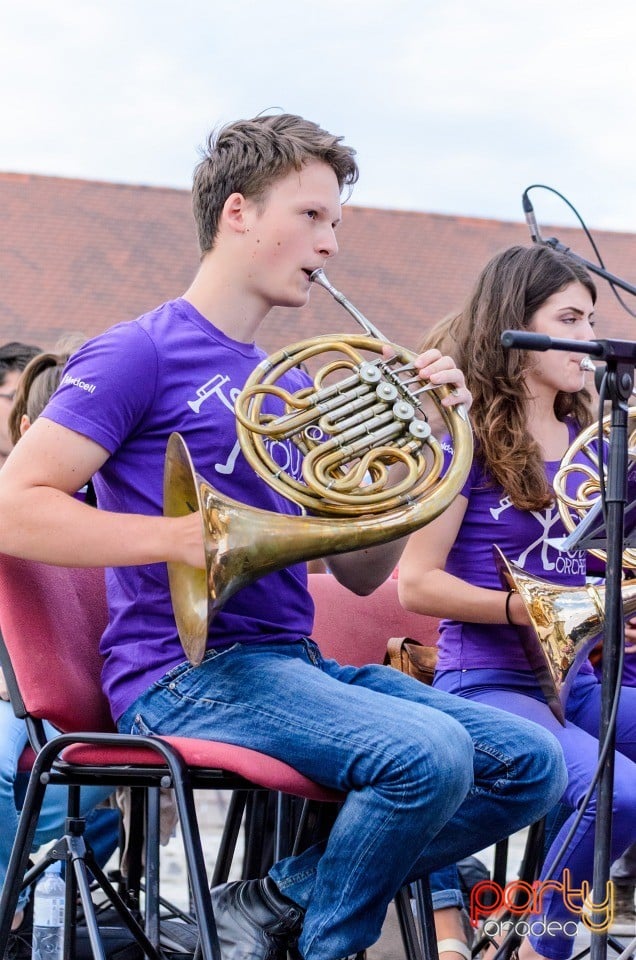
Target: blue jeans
[429,778]
[446,889]
[13,740]
[517,691]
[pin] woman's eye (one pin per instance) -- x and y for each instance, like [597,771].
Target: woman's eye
[312,214]
[574,320]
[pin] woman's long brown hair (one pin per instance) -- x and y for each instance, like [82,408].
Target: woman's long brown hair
[507,294]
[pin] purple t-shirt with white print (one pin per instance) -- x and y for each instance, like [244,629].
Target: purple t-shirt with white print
[127,390]
[523,537]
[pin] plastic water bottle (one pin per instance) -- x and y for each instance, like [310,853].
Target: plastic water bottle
[48,915]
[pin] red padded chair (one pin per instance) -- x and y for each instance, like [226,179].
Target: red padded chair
[51,621]
[355,630]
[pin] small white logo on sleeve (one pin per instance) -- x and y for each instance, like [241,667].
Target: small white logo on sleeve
[78,382]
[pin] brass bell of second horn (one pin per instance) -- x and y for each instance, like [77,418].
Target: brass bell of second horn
[566,623]
[359,417]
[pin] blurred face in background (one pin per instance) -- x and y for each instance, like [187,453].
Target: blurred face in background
[7,393]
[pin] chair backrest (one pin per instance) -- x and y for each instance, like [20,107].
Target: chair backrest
[355,630]
[52,619]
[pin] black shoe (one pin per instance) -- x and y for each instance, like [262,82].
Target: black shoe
[624,922]
[254,921]
[19,941]
[624,899]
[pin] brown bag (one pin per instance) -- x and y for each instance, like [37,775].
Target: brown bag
[412,658]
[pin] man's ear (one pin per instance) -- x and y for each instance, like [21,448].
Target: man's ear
[234,212]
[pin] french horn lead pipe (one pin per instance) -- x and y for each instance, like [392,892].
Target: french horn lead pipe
[318,276]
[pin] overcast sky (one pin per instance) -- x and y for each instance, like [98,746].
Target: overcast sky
[454,106]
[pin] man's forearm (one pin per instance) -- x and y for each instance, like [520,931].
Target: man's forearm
[54,527]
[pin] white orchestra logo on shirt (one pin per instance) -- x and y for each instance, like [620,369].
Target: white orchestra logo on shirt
[571,562]
[284,453]
[77,382]
[213,388]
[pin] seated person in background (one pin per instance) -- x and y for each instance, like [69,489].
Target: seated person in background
[14,357]
[427,777]
[40,378]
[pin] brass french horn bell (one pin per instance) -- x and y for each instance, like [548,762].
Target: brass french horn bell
[362,415]
[566,624]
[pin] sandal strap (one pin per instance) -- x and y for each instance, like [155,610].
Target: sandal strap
[454,946]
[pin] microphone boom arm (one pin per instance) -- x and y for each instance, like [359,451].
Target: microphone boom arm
[592,267]
[555,244]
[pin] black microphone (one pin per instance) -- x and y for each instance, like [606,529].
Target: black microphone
[525,340]
[531,220]
[528,340]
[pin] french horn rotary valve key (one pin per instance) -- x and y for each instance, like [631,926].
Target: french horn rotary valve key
[420,429]
[387,392]
[403,411]
[369,372]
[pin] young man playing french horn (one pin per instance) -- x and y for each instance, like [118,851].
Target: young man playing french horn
[428,777]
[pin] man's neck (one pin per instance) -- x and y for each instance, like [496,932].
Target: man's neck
[221,300]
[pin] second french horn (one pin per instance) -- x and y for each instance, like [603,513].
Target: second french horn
[364,413]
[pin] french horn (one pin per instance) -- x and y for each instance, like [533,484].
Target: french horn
[566,623]
[361,416]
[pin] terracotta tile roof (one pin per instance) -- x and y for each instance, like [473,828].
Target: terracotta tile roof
[81,255]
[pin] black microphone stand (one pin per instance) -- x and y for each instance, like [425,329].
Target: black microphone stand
[588,264]
[620,359]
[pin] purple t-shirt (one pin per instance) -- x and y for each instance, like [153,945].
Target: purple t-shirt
[128,390]
[629,670]
[523,537]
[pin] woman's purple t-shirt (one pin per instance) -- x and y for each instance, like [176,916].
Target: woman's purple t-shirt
[525,538]
[128,390]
